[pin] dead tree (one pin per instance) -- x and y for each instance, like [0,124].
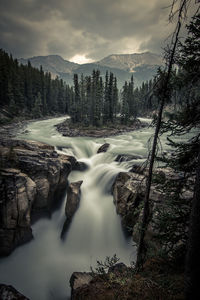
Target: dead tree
[141,250]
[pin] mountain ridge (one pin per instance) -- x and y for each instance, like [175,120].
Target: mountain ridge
[130,61]
[142,66]
[51,63]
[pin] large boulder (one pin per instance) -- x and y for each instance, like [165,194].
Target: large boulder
[108,286]
[73,200]
[103,148]
[78,280]
[80,166]
[7,292]
[32,176]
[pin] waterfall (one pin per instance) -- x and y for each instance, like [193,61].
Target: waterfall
[41,269]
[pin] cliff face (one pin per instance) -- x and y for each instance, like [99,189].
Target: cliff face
[32,175]
[120,281]
[129,193]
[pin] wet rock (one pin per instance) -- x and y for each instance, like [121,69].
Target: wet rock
[7,292]
[127,157]
[128,195]
[23,144]
[129,192]
[39,162]
[110,286]
[137,169]
[73,198]
[17,192]
[80,166]
[84,287]
[54,154]
[31,176]
[103,148]
[78,279]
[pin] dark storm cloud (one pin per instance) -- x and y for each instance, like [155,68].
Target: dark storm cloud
[94,28]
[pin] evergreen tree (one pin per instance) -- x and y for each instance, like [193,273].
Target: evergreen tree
[37,106]
[110,98]
[77,101]
[115,99]
[83,98]
[106,101]
[98,99]
[125,106]
[130,98]
[88,118]
[61,97]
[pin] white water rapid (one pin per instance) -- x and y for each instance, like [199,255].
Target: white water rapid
[41,269]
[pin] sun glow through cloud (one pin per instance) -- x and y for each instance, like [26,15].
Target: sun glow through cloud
[80,59]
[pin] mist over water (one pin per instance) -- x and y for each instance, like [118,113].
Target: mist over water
[41,269]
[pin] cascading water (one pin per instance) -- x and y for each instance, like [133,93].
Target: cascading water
[41,269]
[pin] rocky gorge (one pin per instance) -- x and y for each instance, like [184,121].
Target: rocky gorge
[120,281]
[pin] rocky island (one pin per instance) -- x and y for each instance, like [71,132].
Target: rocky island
[66,128]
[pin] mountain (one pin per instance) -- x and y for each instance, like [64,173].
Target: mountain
[128,62]
[51,63]
[142,66]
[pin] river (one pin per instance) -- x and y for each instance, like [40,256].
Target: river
[41,269]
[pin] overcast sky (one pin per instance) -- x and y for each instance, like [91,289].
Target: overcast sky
[83,30]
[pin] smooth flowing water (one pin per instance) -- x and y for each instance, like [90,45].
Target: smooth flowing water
[41,269]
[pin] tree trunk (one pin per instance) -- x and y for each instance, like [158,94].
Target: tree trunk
[192,266]
[141,251]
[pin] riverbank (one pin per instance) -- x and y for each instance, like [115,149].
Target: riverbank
[11,129]
[66,128]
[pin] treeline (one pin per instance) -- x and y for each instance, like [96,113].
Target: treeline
[147,96]
[93,100]
[27,91]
